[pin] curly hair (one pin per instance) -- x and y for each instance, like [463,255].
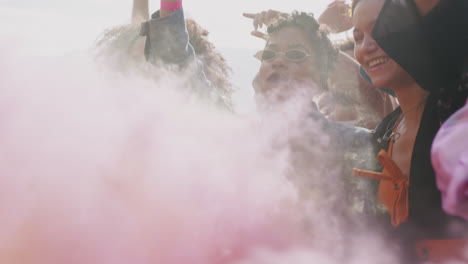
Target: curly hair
[215,66]
[325,53]
[120,43]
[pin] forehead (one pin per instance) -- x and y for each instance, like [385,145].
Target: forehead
[289,37]
[366,12]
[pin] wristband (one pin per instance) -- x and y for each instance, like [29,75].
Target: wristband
[171,6]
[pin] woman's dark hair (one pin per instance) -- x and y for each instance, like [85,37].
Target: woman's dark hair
[323,50]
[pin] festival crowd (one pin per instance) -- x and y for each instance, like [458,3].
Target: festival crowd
[388,76]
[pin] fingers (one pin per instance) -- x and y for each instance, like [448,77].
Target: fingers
[249,15]
[259,34]
[263,18]
[254,17]
[343,6]
[270,16]
[340,5]
[332,4]
[337,2]
[256,21]
[259,20]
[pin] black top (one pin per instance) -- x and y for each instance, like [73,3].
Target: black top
[426,220]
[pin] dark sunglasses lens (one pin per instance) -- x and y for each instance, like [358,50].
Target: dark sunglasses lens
[295,55]
[268,55]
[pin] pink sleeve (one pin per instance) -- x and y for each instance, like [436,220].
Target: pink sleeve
[450,162]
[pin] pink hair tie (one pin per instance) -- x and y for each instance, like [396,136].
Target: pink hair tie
[171,6]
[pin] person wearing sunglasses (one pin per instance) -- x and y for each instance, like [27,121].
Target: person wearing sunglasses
[299,54]
[361,106]
[291,61]
[293,55]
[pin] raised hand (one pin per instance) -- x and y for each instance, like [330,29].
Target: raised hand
[336,17]
[261,19]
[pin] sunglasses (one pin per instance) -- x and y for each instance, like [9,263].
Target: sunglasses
[293,55]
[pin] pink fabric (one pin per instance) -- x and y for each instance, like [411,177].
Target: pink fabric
[450,161]
[171,6]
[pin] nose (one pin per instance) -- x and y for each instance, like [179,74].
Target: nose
[369,44]
[279,61]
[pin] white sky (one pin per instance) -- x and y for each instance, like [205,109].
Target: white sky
[62,26]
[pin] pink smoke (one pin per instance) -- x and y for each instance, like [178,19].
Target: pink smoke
[97,167]
[450,161]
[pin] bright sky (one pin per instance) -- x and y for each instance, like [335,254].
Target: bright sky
[62,26]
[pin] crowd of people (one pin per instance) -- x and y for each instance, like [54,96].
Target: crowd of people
[402,91]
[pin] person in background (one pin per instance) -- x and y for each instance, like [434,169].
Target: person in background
[124,47]
[346,97]
[407,184]
[308,58]
[346,46]
[140,11]
[337,18]
[450,161]
[295,63]
[402,140]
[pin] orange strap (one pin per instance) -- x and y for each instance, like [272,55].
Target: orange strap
[393,189]
[442,250]
[371,175]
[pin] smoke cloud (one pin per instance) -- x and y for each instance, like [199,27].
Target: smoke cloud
[105,167]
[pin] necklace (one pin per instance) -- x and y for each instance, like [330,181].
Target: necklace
[392,132]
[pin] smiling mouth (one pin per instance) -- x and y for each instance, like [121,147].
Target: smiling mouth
[377,62]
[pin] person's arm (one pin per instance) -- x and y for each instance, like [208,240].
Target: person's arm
[167,43]
[167,40]
[449,157]
[264,18]
[336,17]
[371,104]
[355,143]
[140,11]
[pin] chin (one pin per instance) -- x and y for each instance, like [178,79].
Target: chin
[381,81]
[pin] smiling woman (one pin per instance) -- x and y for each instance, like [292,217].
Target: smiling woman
[420,226]
[383,71]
